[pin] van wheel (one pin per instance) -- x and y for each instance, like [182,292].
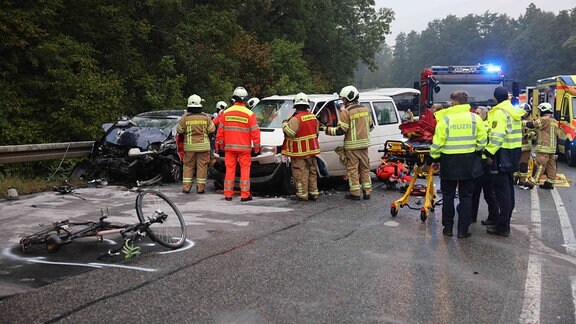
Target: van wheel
[570,156]
[288,183]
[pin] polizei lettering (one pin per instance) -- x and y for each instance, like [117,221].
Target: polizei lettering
[460,126]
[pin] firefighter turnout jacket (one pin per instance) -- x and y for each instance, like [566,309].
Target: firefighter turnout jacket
[546,132]
[301,135]
[195,127]
[238,130]
[459,138]
[355,123]
[505,136]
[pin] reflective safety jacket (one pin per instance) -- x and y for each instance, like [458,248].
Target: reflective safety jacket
[459,138]
[505,139]
[301,135]
[458,131]
[238,130]
[195,127]
[546,131]
[356,123]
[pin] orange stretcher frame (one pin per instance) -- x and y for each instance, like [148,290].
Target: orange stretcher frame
[415,157]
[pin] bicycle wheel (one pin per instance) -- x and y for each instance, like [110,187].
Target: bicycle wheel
[170,233]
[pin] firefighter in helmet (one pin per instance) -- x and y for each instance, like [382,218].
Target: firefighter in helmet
[355,123]
[546,131]
[301,145]
[521,175]
[195,126]
[252,102]
[238,138]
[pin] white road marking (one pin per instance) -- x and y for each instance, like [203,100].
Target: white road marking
[567,230]
[573,281]
[533,285]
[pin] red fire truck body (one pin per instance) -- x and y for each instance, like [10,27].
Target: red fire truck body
[479,81]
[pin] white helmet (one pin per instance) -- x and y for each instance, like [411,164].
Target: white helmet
[194,101]
[239,94]
[301,99]
[350,93]
[252,102]
[221,105]
[526,107]
[545,107]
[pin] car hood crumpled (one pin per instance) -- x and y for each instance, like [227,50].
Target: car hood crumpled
[140,137]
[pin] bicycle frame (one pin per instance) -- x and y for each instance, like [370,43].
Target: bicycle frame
[64,232]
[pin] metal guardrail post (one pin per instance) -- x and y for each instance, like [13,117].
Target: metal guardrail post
[41,152]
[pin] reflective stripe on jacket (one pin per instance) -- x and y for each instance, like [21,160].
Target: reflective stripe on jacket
[505,125]
[459,131]
[195,127]
[356,123]
[546,129]
[301,135]
[238,129]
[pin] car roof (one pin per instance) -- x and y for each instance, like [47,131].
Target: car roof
[391,91]
[325,97]
[163,113]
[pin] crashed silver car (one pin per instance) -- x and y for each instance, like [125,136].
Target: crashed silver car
[141,150]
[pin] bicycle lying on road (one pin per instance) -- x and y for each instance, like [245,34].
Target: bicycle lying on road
[158,216]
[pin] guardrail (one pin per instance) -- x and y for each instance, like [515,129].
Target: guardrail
[41,152]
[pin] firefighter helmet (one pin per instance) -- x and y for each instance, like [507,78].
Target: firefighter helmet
[252,102]
[545,107]
[350,93]
[239,94]
[221,105]
[526,107]
[301,99]
[194,101]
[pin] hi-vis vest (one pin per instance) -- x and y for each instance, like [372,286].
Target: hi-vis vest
[238,129]
[195,128]
[301,135]
[459,131]
[505,125]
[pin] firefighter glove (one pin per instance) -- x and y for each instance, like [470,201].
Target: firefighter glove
[221,153]
[255,153]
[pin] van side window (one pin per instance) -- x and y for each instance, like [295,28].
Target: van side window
[328,116]
[385,113]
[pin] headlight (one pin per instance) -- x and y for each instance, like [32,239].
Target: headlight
[267,149]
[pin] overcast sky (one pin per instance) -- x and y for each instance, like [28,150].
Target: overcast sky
[416,14]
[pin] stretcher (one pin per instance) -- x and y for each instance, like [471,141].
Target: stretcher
[415,155]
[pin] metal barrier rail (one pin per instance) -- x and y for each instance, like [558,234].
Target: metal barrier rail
[41,152]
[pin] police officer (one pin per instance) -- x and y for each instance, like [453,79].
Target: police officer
[458,141]
[546,131]
[301,145]
[195,126]
[355,124]
[503,155]
[483,184]
[238,136]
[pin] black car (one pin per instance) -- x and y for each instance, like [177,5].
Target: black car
[141,150]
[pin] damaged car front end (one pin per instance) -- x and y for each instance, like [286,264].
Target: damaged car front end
[141,150]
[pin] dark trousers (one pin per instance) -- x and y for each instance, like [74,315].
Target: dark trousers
[504,189]
[484,184]
[465,189]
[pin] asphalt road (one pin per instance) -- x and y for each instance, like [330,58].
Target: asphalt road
[282,261]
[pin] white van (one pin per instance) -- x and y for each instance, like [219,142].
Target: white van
[404,98]
[271,171]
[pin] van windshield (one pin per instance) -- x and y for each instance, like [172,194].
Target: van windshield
[271,113]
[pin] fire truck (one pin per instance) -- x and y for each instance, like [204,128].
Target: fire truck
[560,92]
[479,81]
